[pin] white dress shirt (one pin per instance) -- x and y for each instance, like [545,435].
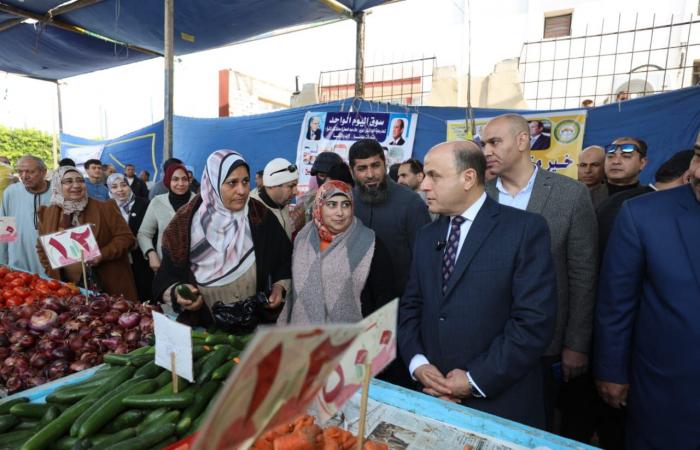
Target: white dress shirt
[470,214]
[519,200]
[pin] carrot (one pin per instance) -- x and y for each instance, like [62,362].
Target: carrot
[374,445]
[294,441]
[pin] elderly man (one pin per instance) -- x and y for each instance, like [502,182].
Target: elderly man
[591,172]
[280,178]
[566,206]
[22,201]
[479,307]
[648,317]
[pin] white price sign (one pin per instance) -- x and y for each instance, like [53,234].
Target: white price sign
[173,345]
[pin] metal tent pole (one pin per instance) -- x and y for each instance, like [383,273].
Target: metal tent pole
[169,72]
[360,55]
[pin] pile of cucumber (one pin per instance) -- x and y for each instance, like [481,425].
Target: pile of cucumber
[129,404]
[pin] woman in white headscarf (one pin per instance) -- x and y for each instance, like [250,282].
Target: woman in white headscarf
[70,207]
[223,247]
[133,210]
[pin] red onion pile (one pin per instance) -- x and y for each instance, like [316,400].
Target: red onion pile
[57,336]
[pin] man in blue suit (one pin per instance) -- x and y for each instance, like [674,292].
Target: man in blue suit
[479,308]
[648,317]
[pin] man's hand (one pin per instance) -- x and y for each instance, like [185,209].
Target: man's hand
[275,299]
[573,363]
[94,261]
[459,383]
[613,394]
[434,383]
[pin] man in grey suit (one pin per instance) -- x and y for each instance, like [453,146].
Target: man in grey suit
[566,206]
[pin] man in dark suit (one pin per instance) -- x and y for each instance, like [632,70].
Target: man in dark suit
[538,141]
[566,206]
[648,317]
[479,308]
[138,187]
[397,133]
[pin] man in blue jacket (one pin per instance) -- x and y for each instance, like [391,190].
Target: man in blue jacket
[480,305]
[648,317]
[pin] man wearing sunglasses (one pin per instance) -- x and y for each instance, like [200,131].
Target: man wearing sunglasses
[647,331]
[280,178]
[625,158]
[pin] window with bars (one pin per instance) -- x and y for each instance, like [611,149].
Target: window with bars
[557,26]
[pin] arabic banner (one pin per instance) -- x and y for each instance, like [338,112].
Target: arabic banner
[556,139]
[337,131]
[66,247]
[281,372]
[376,345]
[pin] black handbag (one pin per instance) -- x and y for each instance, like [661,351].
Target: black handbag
[242,317]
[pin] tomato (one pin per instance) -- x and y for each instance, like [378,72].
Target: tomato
[63,292]
[11,276]
[54,285]
[26,277]
[3,271]
[29,300]
[7,293]
[22,291]
[14,301]
[17,282]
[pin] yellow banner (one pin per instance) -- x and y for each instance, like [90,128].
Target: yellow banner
[556,139]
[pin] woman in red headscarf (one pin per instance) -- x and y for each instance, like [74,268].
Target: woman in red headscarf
[342,272]
[161,210]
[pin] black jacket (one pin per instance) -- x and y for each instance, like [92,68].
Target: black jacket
[143,275]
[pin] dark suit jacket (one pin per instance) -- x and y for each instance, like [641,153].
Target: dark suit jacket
[566,206]
[139,188]
[399,141]
[143,275]
[648,317]
[497,315]
[541,143]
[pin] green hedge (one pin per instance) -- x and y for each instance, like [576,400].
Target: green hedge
[15,142]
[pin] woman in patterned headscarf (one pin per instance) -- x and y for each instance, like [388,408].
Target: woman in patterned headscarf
[223,246]
[70,207]
[341,270]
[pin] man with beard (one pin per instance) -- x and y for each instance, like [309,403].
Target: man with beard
[648,317]
[22,201]
[394,212]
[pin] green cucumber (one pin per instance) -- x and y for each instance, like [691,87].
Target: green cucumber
[124,420]
[116,359]
[75,428]
[180,400]
[147,440]
[15,438]
[185,292]
[51,414]
[216,339]
[29,410]
[199,334]
[140,351]
[164,443]
[140,360]
[199,350]
[111,407]
[171,417]
[182,384]
[27,424]
[163,378]
[70,396]
[202,398]
[240,342]
[150,418]
[7,422]
[65,443]
[221,372]
[5,406]
[51,432]
[111,439]
[217,358]
[149,370]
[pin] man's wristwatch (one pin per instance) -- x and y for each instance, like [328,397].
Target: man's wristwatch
[472,388]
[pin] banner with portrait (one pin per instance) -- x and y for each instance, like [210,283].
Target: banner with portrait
[337,131]
[556,139]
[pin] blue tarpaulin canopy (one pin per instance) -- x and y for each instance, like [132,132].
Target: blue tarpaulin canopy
[110,33]
[667,122]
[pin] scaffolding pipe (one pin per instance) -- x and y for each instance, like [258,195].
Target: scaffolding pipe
[169,72]
[360,55]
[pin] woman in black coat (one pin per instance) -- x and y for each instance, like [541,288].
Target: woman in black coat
[133,209]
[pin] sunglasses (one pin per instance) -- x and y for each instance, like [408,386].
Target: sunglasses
[624,148]
[290,168]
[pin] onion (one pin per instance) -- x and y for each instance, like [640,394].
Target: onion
[121,306]
[146,324]
[44,319]
[26,311]
[22,323]
[64,317]
[14,383]
[111,343]
[27,341]
[100,331]
[57,369]
[46,345]
[76,344]
[99,305]
[132,337]
[129,320]
[4,341]
[35,381]
[38,360]
[72,325]
[62,352]
[77,366]
[96,323]
[16,336]
[4,352]
[19,362]
[111,316]
[85,332]
[121,349]
[57,334]
[54,304]
[91,358]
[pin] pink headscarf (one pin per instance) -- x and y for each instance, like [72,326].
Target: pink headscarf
[328,190]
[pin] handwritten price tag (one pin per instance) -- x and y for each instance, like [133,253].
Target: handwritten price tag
[8,229]
[173,338]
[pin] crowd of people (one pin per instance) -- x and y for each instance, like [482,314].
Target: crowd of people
[566,305]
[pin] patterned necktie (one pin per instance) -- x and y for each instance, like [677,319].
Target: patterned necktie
[450,256]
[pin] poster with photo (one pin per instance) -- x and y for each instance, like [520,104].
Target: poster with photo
[337,131]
